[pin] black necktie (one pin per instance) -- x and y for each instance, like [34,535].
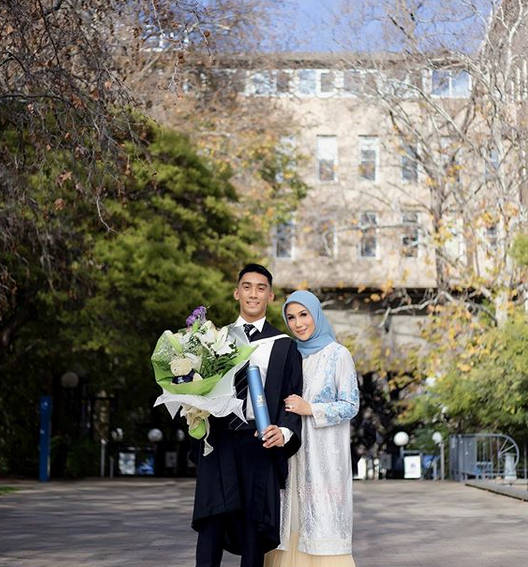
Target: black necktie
[249,329]
[241,388]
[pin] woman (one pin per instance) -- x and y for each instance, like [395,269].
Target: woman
[316,506]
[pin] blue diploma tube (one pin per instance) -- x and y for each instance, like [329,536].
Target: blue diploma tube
[258,399]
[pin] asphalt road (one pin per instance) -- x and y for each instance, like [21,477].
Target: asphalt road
[140,522]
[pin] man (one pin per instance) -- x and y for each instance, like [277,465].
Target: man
[237,502]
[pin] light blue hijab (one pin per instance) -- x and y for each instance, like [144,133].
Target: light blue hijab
[323,334]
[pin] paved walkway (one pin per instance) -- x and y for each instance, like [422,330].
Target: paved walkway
[140,522]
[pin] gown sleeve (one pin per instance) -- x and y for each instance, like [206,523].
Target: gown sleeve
[345,393]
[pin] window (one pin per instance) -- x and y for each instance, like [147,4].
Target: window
[283,242]
[327,82]
[307,81]
[450,84]
[286,157]
[368,244]
[410,234]
[492,236]
[353,82]
[409,164]
[403,84]
[327,158]
[360,83]
[368,157]
[283,82]
[263,83]
[326,238]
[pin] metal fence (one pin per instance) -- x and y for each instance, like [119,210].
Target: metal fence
[483,456]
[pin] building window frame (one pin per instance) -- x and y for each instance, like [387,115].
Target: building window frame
[410,239]
[365,83]
[284,240]
[326,158]
[368,158]
[445,83]
[368,244]
[409,163]
[306,82]
[331,91]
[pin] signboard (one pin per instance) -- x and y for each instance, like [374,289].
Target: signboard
[412,467]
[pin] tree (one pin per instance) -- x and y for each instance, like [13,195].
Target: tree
[484,386]
[69,79]
[69,140]
[450,88]
[176,243]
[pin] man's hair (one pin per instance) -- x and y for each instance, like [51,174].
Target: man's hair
[258,269]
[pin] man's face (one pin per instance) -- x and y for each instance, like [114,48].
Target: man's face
[253,293]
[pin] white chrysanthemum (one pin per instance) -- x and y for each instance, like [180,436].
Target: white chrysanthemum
[181,366]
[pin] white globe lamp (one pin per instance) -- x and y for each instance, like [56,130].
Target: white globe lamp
[155,435]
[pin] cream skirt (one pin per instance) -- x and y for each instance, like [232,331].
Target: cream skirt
[295,558]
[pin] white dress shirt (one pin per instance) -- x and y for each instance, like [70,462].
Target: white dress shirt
[260,357]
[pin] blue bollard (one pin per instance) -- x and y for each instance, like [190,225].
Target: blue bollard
[45,438]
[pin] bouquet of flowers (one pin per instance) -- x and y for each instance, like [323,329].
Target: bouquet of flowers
[195,367]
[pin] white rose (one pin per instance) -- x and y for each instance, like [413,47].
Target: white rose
[180,366]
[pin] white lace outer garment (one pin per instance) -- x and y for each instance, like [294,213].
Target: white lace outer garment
[317,500]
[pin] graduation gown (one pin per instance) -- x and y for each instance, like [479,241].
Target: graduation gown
[219,474]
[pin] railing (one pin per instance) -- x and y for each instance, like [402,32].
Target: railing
[483,456]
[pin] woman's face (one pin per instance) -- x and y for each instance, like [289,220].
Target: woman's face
[300,321]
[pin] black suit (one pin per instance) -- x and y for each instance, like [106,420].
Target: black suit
[237,499]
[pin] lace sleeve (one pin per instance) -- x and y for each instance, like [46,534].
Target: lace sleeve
[338,401]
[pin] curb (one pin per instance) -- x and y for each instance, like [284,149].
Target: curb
[510,491]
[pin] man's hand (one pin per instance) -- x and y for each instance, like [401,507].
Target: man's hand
[273,437]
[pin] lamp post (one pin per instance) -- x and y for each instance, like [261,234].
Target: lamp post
[439,440]
[400,440]
[117,436]
[155,436]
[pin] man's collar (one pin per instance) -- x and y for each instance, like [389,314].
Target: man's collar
[259,323]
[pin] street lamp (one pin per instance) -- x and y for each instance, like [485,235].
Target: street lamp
[439,440]
[69,380]
[400,440]
[117,434]
[155,435]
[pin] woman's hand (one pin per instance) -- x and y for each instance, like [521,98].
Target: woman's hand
[295,404]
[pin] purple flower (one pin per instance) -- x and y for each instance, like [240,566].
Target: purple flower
[198,314]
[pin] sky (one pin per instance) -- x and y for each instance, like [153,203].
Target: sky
[339,25]
[309,24]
